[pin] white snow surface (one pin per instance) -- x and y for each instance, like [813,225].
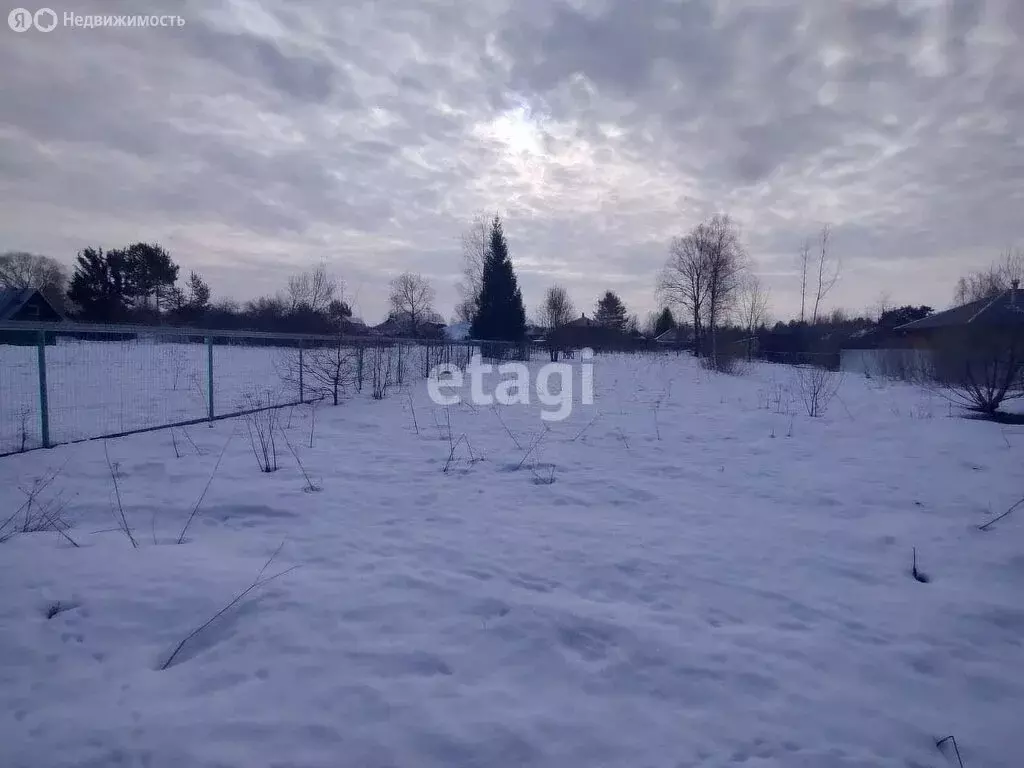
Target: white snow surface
[689,572]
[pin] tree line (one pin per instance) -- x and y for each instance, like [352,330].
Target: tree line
[140,284]
[707,286]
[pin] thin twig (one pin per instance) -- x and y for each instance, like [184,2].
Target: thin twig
[14,515]
[549,480]
[117,492]
[199,501]
[7,522]
[536,442]
[191,441]
[657,427]
[589,423]
[842,403]
[451,453]
[440,428]
[258,582]
[310,485]
[995,520]
[412,407]
[52,520]
[507,430]
[38,486]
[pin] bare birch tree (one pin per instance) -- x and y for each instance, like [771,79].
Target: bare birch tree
[475,247]
[557,309]
[828,270]
[313,290]
[725,263]
[556,312]
[683,281]
[27,270]
[990,282]
[412,299]
[753,308]
[882,305]
[804,263]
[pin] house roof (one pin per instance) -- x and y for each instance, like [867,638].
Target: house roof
[13,299]
[678,334]
[1006,309]
[869,338]
[397,325]
[581,322]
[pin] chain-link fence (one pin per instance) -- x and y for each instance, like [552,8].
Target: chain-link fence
[68,382]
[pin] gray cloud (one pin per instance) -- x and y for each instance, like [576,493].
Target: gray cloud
[302,77]
[263,136]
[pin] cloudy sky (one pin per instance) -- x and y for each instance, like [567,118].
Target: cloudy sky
[263,136]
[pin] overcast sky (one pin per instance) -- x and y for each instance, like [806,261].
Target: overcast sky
[263,136]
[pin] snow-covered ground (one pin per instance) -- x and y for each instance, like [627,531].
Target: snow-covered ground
[689,572]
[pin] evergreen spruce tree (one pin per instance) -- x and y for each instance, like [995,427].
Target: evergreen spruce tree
[501,315]
[611,312]
[665,322]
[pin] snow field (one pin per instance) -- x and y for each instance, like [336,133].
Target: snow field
[690,572]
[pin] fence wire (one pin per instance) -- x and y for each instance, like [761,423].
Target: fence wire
[19,399]
[104,381]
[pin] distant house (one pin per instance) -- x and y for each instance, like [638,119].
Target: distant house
[991,316]
[397,327]
[990,325]
[581,322]
[679,337]
[431,330]
[26,305]
[578,333]
[390,328]
[535,333]
[587,332]
[354,327]
[881,352]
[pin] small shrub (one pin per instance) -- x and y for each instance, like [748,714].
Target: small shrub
[38,512]
[979,369]
[23,429]
[261,422]
[816,388]
[728,361]
[382,370]
[328,371]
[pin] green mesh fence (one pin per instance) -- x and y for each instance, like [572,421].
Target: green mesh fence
[102,381]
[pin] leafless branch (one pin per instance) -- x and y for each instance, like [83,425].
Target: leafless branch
[123,521]
[258,582]
[199,501]
[995,520]
[828,270]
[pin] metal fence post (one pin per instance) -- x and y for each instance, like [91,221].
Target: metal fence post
[209,375]
[44,404]
[300,373]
